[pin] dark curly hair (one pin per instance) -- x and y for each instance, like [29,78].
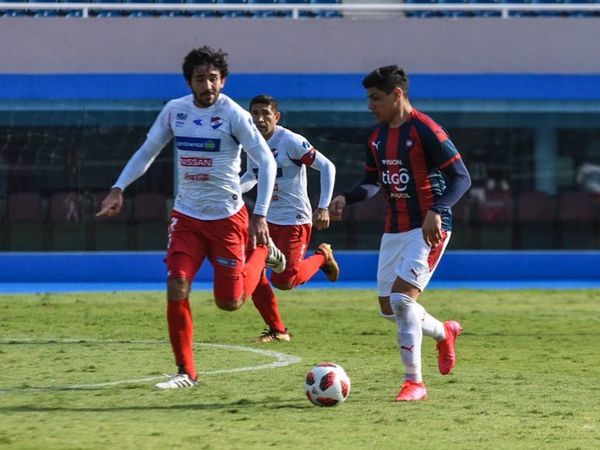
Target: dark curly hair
[205,55]
[387,78]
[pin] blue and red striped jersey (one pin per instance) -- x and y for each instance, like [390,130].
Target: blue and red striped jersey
[408,161]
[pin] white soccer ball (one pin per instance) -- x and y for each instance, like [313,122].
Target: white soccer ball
[327,384]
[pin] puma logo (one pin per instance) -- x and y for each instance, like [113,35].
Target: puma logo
[375,144]
[415,273]
[408,349]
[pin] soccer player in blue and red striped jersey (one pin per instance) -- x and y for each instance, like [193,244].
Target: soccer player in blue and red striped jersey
[412,158]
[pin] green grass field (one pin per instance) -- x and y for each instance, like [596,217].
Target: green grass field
[528,374]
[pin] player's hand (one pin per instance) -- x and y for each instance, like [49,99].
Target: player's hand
[321,219]
[112,204]
[432,228]
[259,231]
[336,208]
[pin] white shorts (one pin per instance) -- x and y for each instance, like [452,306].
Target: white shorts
[406,255]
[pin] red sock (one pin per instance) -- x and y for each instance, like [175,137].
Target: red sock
[181,334]
[265,301]
[253,269]
[306,268]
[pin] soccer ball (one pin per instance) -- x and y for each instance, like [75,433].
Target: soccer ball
[327,384]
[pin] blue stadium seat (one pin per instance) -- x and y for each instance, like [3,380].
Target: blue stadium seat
[424,13]
[234,13]
[455,13]
[174,13]
[329,14]
[206,13]
[295,2]
[44,12]
[264,14]
[14,12]
[518,13]
[549,13]
[487,13]
[582,13]
[109,12]
[140,13]
[75,12]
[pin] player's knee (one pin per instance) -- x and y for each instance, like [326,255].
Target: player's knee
[229,304]
[283,281]
[178,289]
[284,285]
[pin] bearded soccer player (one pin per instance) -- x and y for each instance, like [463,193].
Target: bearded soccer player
[290,218]
[209,219]
[423,176]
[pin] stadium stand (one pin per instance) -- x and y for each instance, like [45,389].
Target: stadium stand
[110,233]
[67,223]
[576,216]
[264,14]
[535,216]
[150,221]
[495,214]
[25,228]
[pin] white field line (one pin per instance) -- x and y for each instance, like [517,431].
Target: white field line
[281,360]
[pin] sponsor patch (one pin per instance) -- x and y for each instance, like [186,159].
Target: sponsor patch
[226,262]
[197,144]
[195,162]
[196,176]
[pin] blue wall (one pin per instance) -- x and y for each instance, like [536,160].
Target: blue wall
[305,86]
[355,266]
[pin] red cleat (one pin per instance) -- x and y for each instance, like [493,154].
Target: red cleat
[446,353]
[412,391]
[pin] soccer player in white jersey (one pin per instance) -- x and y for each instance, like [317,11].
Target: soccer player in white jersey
[209,219]
[290,216]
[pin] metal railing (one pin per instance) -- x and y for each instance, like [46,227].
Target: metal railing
[505,9]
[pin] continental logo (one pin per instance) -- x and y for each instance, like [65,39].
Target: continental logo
[197,144]
[195,162]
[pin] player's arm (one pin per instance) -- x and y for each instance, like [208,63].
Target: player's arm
[257,149]
[365,188]
[368,186]
[138,164]
[248,178]
[316,160]
[456,177]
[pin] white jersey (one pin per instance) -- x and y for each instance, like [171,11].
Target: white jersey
[208,144]
[290,204]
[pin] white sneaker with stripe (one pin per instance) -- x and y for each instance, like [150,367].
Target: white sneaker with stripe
[177,381]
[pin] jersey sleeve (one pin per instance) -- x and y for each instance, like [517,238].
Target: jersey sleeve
[437,144]
[160,133]
[301,151]
[246,133]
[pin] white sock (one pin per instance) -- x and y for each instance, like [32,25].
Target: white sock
[432,327]
[409,315]
[390,317]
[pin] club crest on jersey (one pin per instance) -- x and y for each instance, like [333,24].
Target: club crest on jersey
[409,143]
[198,122]
[275,152]
[180,119]
[216,122]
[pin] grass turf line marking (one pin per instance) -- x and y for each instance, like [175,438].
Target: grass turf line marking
[281,360]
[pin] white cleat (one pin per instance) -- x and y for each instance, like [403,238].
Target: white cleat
[276,259]
[177,381]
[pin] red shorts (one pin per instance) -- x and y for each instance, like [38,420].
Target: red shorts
[223,241]
[293,241]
